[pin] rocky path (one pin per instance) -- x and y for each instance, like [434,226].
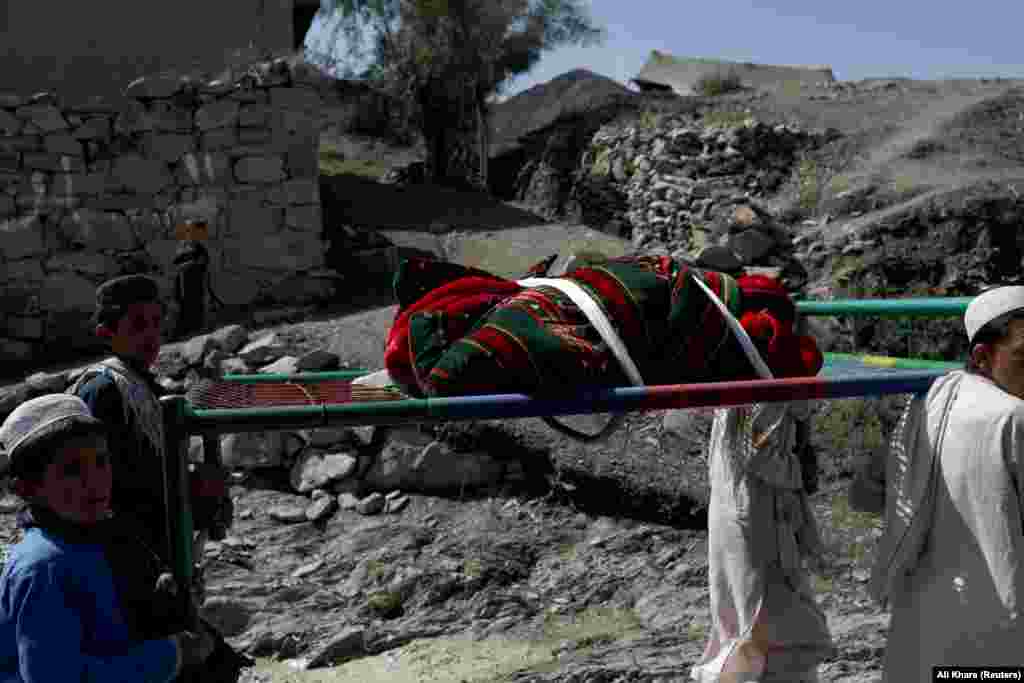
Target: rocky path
[496,588]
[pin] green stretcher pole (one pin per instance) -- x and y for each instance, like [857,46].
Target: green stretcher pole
[177,502]
[296,377]
[938,307]
[893,362]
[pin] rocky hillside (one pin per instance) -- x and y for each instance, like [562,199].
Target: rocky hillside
[874,188]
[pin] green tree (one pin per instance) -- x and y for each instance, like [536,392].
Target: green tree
[445,59]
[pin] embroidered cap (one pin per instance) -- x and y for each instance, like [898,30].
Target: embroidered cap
[41,419]
[992,304]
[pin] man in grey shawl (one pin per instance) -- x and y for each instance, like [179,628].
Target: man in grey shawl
[951,562]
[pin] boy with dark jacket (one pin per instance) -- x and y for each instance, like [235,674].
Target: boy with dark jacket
[123,394]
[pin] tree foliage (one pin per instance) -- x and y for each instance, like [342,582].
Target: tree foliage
[445,59]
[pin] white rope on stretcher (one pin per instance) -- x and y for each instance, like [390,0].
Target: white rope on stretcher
[741,334]
[599,320]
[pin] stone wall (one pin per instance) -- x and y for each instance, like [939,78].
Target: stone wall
[685,187]
[89,192]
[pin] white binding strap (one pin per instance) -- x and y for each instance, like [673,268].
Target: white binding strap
[741,334]
[597,318]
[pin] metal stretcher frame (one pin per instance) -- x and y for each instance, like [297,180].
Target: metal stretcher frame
[861,376]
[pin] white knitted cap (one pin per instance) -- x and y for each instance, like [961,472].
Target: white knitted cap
[988,306]
[39,418]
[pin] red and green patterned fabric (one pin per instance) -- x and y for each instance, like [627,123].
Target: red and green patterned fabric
[462,331]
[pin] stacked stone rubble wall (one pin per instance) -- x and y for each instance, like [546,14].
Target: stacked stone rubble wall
[681,185]
[92,191]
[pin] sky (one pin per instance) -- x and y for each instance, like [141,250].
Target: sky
[858,39]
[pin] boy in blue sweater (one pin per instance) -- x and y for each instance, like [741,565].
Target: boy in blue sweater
[61,617]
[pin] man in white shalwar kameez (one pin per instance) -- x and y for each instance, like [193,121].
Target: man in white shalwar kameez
[766,624]
[951,562]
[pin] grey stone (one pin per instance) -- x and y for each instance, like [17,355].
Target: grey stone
[142,175]
[304,218]
[9,125]
[253,136]
[195,349]
[261,350]
[88,262]
[123,201]
[46,117]
[21,238]
[249,218]
[7,206]
[98,230]
[168,148]
[347,501]
[43,161]
[321,509]
[371,504]
[204,168]
[21,143]
[249,450]
[93,129]
[259,170]
[309,568]
[133,118]
[235,366]
[315,471]
[254,115]
[63,144]
[434,467]
[397,504]
[67,292]
[282,366]
[217,114]
[69,184]
[48,205]
[155,86]
[219,139]
[349,644]
[318,360]
[288,513]
[230,338]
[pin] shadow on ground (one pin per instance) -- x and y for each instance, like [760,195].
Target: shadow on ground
[366,203]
